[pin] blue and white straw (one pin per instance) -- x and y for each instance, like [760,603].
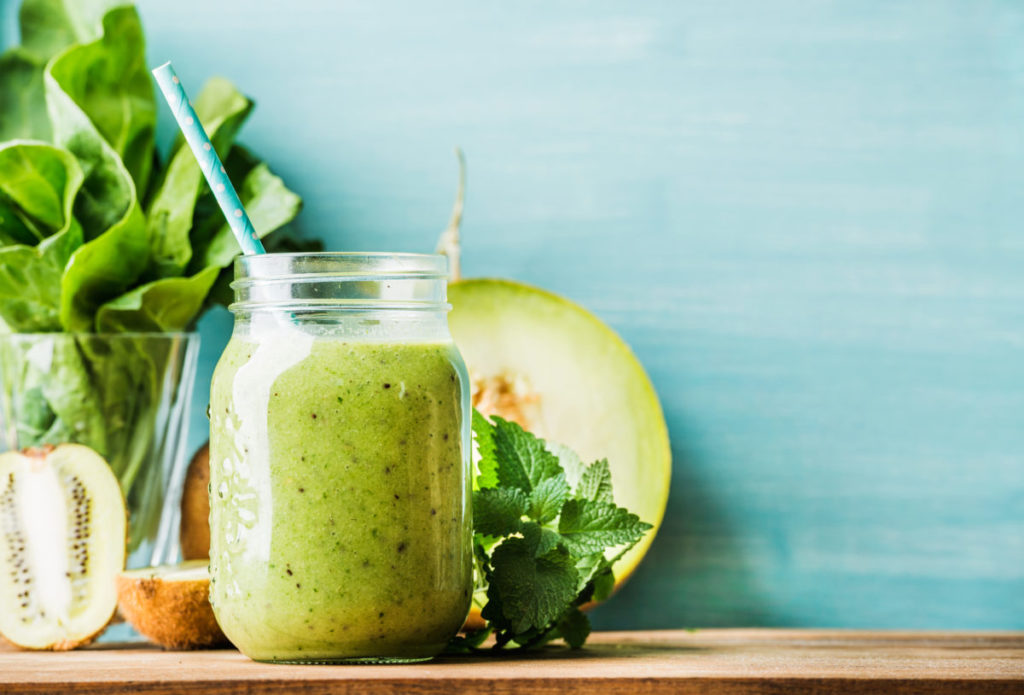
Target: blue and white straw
[209,162]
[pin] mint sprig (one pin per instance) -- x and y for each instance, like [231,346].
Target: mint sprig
[540,544]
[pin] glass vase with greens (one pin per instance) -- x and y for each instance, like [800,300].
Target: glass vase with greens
[109,252]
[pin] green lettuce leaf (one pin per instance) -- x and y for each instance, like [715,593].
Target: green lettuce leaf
[50,26]
[102,269]
[168,304]
[47,28]
[117,246]
[108,193]
[267,200]
[30,281]
[39,182]
[22,100]
[12,229]
[108,80]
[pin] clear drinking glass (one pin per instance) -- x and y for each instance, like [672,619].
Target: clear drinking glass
[340,526]
[125,395]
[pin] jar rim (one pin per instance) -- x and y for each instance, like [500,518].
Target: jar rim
[346,281]
[341,264]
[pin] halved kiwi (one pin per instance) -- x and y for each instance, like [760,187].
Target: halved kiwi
[170,605]
[64,525]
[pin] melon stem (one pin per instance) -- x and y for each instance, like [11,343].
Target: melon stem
[450,244]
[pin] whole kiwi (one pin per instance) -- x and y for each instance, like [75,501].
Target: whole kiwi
[195,507]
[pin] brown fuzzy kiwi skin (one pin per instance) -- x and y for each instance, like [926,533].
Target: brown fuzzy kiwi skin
[174,614]
[195,507]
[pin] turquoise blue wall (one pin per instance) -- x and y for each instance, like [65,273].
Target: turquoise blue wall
[806,217]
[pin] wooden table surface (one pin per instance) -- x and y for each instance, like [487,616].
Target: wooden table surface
[710,662]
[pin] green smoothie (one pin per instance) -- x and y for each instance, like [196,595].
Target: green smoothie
[340,497]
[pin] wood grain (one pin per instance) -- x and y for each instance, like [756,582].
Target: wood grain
[708,662]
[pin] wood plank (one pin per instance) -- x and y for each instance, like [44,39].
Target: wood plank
[708,662]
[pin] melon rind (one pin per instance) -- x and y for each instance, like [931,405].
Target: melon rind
[594,396]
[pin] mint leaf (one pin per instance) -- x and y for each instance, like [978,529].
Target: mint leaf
[604,584]
[547,498]
[588,526]
[483,432]
[471,641]
[596,483]
[543,523]
[574,626]
[498,511]
[589,566]
[526,592]
[523,461]
[544,540]
[570,461]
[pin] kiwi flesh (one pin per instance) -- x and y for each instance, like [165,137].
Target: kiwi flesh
[63,523]
[170,605]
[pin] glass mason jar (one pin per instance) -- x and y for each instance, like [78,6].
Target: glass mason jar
[340,525]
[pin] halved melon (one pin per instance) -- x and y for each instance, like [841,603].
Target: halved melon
[563,374]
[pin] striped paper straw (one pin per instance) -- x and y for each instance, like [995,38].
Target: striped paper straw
[209,162]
